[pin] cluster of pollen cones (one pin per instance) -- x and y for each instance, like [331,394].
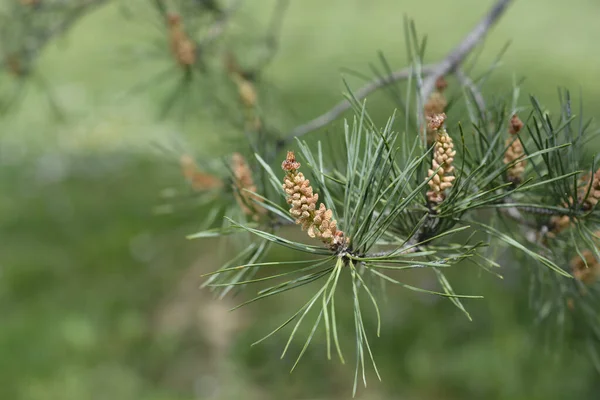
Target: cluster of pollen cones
[442,170]
[318,222]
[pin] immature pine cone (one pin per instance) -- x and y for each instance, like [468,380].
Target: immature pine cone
[243,185]
[317,222]
[589,274]
[515,152]
[443,156]
[436,104]
[182,47]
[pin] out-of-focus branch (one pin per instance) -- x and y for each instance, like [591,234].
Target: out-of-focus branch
[273,35]
[271,45]
[469,84]
[460,52]
[360,94]
[35,48]
[528,231]
[432,72]
[218,27]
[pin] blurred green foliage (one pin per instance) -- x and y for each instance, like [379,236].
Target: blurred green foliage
[99,294]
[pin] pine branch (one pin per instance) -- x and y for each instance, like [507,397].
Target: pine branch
[460,52]
[529,231]
[84,7]
[360,94]
[434,71]
[218,27]
[465,81]
[273,34]
[271,44]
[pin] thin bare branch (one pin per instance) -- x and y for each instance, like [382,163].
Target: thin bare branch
[460,52]
[360,94]
[217,29]
[530,232]
[432,73]
[273,33]
[35,48]
[469,84]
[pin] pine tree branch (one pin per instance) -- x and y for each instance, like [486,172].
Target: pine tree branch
[407,248]
[271,41]
[465,81]
[412,244]
[33,50]
[274,32]
[360,94]
[464,48]
[529,230]
[218,27]
[432,72]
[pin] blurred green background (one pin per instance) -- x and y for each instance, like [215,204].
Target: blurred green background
[99,295]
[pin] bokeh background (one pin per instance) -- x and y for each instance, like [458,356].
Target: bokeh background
[99,293]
